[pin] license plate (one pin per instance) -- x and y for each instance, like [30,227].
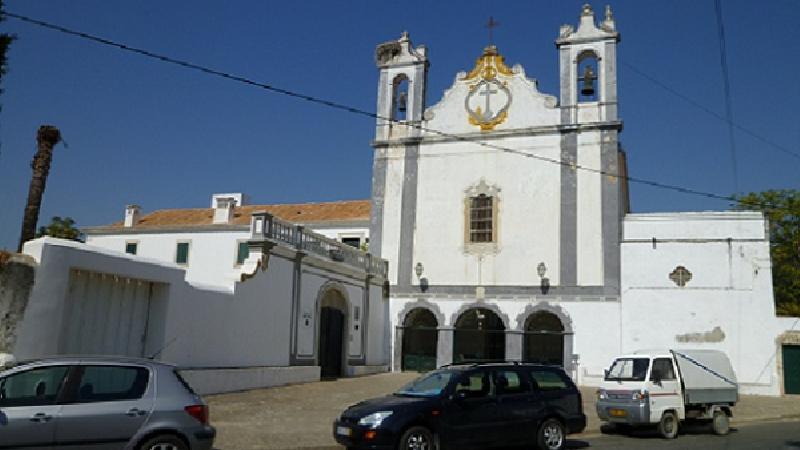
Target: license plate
[344,431]
[618,412]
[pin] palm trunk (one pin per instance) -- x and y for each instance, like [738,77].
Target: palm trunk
[46,138]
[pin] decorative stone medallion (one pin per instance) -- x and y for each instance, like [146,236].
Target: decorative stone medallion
[680,276]
[489,98]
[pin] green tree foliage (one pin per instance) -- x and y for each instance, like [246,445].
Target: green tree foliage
[782,208]
[61,228]
[5,41]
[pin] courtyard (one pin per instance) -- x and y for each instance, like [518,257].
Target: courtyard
[300,416]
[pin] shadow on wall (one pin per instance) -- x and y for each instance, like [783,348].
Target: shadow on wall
[16,281]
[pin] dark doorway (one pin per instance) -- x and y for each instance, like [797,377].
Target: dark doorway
[480,335]
[791,369]
[544,339]
[420,336]
[331,337]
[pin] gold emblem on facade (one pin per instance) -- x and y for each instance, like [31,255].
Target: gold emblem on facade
[489,98]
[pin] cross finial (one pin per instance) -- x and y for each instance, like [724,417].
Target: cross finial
[491,24]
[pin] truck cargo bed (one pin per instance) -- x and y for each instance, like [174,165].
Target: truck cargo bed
[707,377]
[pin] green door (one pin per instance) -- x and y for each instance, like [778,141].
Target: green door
[791,369]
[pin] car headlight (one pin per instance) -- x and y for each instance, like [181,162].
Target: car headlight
[602,394]
[639,395]
[374,420]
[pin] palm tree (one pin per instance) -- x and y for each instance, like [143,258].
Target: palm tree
[46,138]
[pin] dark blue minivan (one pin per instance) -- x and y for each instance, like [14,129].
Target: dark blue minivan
[469,406]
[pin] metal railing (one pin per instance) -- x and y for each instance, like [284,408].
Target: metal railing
[264,225]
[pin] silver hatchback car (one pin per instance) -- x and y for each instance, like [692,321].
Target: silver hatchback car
[101,403]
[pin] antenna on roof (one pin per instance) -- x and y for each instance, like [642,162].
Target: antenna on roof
[164,347]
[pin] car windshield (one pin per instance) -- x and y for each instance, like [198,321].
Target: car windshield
[628,369]
[428,385]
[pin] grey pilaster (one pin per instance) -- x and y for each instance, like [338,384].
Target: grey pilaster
[408,216]
[569,211]
[611,210]
[514,345]
[444,346]
[379,168]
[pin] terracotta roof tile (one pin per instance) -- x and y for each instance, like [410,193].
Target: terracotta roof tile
[344,211]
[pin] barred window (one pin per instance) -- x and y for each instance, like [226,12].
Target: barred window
[481,215]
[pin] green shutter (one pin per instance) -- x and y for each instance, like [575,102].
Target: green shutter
[242,253]
[182,253]
[131,247]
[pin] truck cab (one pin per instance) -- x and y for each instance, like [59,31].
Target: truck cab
[665,387]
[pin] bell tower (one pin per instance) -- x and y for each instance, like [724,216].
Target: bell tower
[588,63]
[401,89]
[592,205]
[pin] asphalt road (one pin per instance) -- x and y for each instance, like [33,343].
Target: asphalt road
[783,435]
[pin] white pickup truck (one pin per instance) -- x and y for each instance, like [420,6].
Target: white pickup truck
[666,387]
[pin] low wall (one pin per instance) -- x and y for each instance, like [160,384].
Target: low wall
[357,371]
[216,381]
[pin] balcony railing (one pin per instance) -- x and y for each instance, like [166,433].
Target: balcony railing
[264,225]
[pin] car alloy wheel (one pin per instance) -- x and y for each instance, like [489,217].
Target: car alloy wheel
[163,446]
[551,435]
[417,438]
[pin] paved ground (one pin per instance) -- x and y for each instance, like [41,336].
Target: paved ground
[300,416]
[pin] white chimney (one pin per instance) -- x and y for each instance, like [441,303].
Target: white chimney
[223,209]
[132,213]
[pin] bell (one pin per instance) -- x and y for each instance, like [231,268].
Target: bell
[401,102]
[588,82]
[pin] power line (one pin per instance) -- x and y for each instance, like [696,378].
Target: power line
[343,107]
[706,109]
[723,61]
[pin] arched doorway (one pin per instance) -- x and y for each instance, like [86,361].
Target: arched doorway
[332,327]
[420,336]
[480,335]
[544,339]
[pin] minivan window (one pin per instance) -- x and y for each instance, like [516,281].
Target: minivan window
[111,383]
[628,369]
[548,380]
[35,387]
[429,385]
[509,382]
[475,385]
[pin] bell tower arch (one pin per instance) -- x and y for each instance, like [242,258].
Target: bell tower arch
[401,89]
[588,63]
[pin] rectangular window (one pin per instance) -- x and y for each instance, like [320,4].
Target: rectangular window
[481,215]
[111,383]
[509,382]
[242,252]
[35,387]
[548,380]
[352,241]
[475,385]
[182,253]
[662,370]
[131,247]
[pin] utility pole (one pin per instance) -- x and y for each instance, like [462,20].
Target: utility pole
[46,138]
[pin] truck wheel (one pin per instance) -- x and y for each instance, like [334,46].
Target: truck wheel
[668,426]
[720,423]
[551,435]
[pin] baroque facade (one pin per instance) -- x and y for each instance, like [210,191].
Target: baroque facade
[503,213]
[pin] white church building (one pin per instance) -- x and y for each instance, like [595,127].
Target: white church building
[503,215]
[509,236]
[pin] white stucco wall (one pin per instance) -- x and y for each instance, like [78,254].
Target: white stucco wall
[527,217]
[728,303]
[231,325]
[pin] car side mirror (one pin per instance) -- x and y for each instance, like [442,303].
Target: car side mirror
[655,377]
[605,373]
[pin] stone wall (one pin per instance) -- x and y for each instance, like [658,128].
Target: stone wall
[16,281]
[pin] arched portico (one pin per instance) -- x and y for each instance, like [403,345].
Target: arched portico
[479,335]
[417,332]
[547,335]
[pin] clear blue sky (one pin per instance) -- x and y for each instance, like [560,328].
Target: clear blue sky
[141,131]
